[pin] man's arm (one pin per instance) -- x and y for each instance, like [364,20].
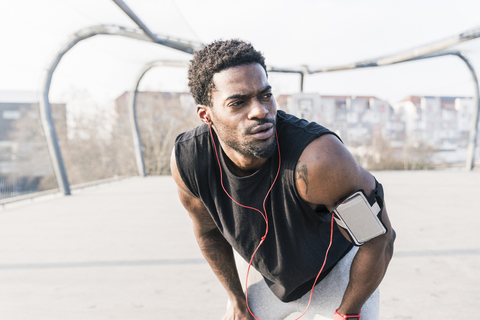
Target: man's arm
[216,250]
[327,172]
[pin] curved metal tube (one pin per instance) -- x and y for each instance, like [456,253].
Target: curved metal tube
[132,101]
[472,140]
[182,45]
[418,52]
[422,52]
[45,108]
[473,137]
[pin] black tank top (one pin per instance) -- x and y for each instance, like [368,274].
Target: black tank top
[298,237]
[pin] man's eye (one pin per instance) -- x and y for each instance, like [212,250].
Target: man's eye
[236,103]
[267,96]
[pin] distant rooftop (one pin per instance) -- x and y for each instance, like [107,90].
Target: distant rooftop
[18,96]
[444,98]
[416,99]
[353,96]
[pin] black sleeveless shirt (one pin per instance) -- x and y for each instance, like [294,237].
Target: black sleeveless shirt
[298,237]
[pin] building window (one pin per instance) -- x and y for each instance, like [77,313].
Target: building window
[11,115]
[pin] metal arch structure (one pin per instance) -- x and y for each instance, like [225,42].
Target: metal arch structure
[189,47]
[408,55]
[424,52]
[473,137]
[45,107]
[132,110]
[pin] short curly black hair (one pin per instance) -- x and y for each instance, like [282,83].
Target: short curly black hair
[215,57]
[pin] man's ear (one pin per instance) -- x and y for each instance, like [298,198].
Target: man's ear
[203,113]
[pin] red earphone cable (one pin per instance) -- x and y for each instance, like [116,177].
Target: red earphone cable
[321,269]
[265,217]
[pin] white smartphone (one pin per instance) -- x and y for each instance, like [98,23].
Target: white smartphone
[358,218]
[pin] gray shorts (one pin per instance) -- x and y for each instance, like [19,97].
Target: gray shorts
[326,296]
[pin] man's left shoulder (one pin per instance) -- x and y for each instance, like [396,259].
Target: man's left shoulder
[326,171]
[327,151]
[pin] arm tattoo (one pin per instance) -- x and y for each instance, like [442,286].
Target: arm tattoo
[301,173]
[218,252]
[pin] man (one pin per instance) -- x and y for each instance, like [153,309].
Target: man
[263,183]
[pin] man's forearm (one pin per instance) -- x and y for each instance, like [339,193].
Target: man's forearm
[219,254]
[367,271]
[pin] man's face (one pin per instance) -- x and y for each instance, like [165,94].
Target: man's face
[243,111]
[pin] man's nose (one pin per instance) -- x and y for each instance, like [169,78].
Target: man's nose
[258,109]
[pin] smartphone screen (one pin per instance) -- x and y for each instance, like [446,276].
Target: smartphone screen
[361,222]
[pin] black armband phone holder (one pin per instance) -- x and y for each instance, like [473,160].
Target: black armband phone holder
[359,215]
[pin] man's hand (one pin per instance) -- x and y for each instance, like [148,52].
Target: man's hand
[238,312]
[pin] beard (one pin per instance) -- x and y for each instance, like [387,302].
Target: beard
[261,150]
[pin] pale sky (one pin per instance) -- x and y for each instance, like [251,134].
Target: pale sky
[289,33]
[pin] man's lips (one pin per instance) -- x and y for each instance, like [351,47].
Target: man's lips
[262,127]
[263,131]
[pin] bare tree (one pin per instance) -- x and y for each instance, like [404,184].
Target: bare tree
[161,116]
[90,149]
[379,154]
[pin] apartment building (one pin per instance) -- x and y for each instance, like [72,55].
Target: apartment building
[24,158]
[354,118]
[442,122]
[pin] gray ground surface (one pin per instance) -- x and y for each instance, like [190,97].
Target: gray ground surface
[125,250]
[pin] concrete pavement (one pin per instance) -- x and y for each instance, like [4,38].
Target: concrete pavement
[125,250]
